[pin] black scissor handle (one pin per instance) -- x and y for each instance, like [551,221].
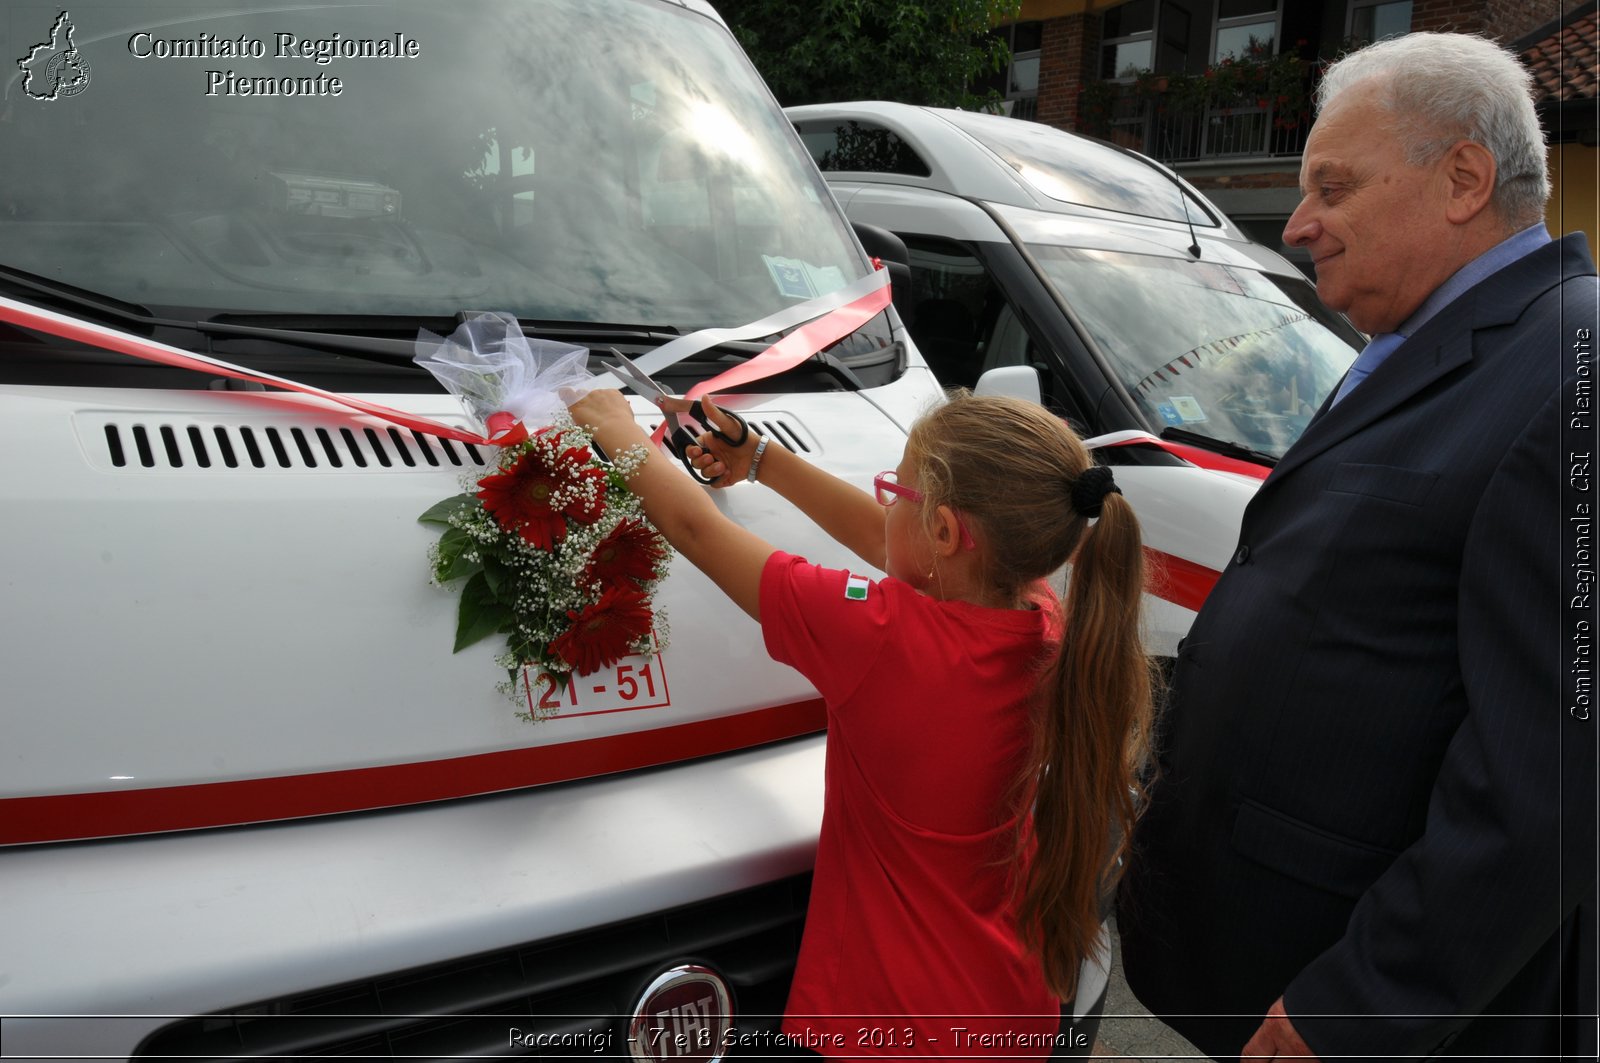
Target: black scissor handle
[698,412]
[679,443]
[681,440]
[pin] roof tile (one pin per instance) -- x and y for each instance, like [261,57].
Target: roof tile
[1563,64]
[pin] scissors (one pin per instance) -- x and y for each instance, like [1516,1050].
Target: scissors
[679,438]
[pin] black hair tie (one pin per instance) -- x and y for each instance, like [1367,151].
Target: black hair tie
[1089,490]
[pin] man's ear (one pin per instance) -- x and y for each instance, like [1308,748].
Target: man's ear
[1469,172]
[946,532]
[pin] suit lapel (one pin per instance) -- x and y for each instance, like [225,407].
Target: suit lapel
[1432,353]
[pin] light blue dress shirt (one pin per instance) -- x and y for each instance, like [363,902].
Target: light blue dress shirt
[1491,261]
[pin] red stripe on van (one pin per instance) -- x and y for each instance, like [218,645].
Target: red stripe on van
[1178,580]
[66,817]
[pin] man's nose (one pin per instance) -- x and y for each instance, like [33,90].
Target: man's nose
[1301,227]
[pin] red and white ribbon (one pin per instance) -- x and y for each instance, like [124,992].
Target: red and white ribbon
[90,334]
[850,308]
[873,286]
[804,341]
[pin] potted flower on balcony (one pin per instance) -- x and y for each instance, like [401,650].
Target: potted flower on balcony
[1279,83]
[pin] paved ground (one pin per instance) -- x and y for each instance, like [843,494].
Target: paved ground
[1130,1033]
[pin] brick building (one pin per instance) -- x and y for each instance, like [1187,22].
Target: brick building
[1219,89]
[1563,58]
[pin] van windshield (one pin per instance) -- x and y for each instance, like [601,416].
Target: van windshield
[1221,351]
[564,160]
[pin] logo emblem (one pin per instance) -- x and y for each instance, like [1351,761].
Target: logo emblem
[684,1016]
[55,69]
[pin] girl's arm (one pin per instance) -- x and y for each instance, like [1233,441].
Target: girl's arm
[843,510]
[732,556]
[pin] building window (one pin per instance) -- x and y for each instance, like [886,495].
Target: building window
[1127,40]
[1018,84]
[1245,28]
[1374,20]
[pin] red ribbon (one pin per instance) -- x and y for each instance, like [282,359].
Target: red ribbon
[505,430]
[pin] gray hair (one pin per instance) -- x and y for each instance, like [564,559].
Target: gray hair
[1441,87]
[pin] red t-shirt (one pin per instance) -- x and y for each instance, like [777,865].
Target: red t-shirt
[910,945]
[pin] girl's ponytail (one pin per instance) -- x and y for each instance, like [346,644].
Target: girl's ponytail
[1031,491]
[1091,742]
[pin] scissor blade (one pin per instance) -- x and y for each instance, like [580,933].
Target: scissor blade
[640,382]
[637,378]
[630,380]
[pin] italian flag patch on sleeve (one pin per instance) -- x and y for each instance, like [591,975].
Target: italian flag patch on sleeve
[855,588]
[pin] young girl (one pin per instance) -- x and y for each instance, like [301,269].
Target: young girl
[983,750]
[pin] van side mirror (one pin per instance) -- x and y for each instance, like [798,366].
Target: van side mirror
[889,249]
[1017,381]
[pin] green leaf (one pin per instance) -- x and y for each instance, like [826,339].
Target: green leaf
[457,567]
[453,542]
[480,614]
[494,572]
[441,512]
[452,545]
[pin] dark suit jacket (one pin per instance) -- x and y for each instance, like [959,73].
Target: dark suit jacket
[1374,801]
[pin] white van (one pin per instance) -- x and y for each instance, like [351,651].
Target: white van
[251,803]
[245,778]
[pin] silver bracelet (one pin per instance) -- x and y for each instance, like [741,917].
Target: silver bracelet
[755,459]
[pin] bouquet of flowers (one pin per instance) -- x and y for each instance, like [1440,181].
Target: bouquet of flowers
[553,549]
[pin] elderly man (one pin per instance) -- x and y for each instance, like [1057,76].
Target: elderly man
[1373,834]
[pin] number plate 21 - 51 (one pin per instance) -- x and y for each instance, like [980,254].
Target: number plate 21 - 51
[632,683]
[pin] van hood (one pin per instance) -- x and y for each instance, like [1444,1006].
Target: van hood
[234,621]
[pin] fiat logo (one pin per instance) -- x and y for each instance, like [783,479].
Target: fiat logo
[684,1016]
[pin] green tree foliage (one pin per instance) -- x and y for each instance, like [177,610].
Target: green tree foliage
[819,51]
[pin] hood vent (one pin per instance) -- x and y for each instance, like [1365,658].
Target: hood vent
[780,430]
[172,442]
[278,447]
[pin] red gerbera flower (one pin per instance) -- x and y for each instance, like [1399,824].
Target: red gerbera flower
[631,555]
[546,485]
[602,633]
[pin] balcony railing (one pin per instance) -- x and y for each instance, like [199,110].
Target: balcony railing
[1187,129]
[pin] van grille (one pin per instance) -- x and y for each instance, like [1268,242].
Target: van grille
[582,986]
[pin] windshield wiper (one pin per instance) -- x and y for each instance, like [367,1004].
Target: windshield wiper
[1225,447]
[77,298]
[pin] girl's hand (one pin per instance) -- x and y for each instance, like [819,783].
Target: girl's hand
[600,408]
[723,465]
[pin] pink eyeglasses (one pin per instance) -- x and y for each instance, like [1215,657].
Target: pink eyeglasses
[887,486]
